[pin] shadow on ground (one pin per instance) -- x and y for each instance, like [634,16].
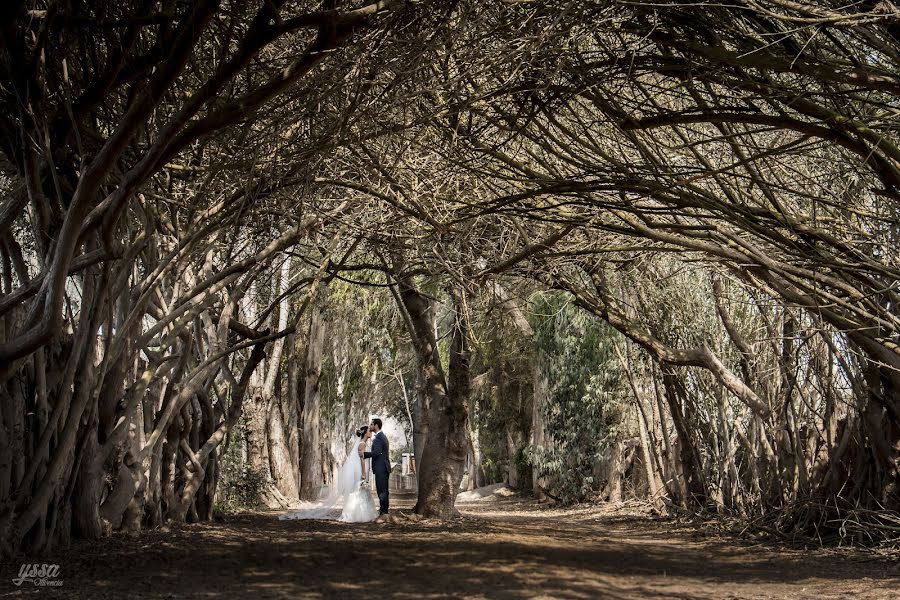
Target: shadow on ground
[497,551]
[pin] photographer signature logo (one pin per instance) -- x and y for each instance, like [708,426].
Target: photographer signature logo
[40,575]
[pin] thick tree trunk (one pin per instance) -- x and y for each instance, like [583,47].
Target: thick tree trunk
[473,438]
[291,410]
[280,457]
[444,410]
[687,452]
[256,409]
[255,432]
[280,460]
[614,473]
[420,424]
[311,443]
[620,462]
[513,444]
[86,498]
[538,429]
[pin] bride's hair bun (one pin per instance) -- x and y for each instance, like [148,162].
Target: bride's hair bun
[362,431]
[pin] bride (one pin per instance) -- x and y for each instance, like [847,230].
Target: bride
[348,496]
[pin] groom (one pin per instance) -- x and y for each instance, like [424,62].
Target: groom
[381,466]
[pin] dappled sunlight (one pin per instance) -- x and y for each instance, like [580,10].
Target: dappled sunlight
[592,298]
[514,549]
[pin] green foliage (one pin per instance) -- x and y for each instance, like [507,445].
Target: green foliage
[355,321]
[240,486]
[501,396]
[240,489]
[586,394]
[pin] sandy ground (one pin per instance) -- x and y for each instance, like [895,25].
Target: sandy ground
[499,549]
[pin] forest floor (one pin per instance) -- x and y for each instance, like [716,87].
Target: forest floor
[500,548]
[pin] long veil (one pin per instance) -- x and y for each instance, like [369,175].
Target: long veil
[332,497]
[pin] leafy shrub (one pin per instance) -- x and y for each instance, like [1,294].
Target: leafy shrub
[240,486]
[586,392]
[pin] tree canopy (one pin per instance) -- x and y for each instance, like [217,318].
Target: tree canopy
[513,223]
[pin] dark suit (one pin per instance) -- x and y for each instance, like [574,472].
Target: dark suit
[381,468]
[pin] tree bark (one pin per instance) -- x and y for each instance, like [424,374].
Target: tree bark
[443,457]
[311,443]
[538,428]
[687,452]
[291,411]
[279,453]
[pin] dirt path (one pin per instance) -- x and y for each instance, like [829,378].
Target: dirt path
[505,549]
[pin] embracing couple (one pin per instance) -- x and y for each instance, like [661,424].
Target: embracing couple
[381,463]
[347,498]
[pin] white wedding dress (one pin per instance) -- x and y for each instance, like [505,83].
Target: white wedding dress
[347,499]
